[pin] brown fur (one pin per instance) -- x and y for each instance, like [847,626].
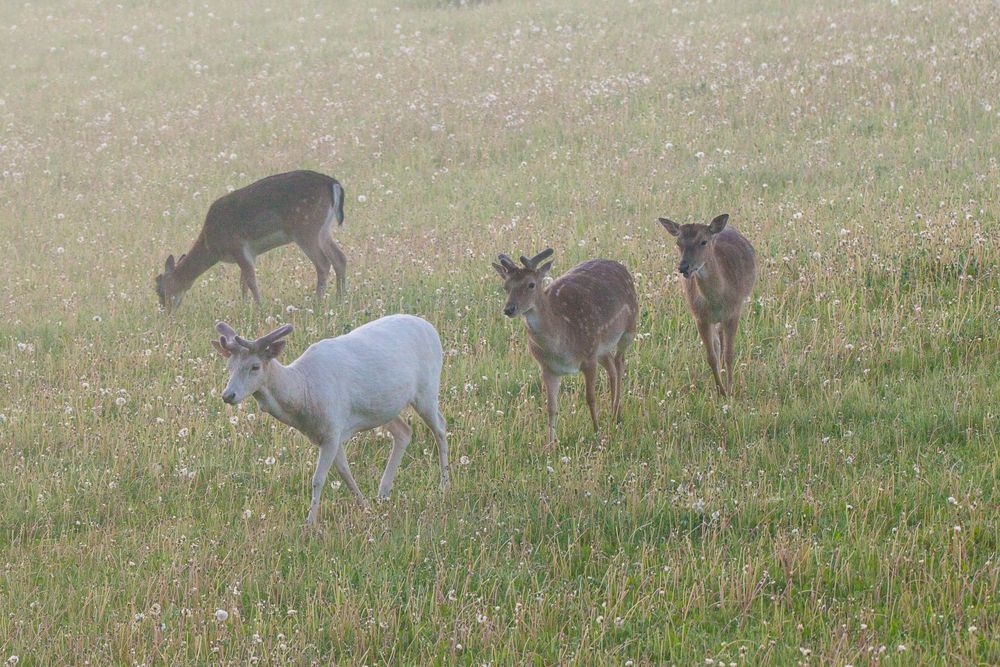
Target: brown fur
[584,318]
[719,268]
[285,208]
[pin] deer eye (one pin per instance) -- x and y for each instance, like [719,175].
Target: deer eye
[531,285]
[255,367]
[704,242]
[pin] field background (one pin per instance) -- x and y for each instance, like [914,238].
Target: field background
[841,508]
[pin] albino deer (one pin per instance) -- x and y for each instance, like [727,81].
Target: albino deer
[340,386]
[586,317]
[720,269]
[297,206]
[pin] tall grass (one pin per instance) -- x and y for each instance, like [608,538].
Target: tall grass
[841,508]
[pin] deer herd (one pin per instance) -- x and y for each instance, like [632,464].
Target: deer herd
[365,379]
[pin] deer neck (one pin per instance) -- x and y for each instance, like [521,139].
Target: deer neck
[283,395]
[708,279]
[197,261]
[538,320]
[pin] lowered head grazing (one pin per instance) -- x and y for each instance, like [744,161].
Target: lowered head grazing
[248,360]
[522,285]
[297,207]
[168,289]
[694,242]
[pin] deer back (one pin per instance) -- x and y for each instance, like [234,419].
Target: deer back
[283,203]
[591,304]
[364,378]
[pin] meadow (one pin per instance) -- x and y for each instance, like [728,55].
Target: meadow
[840,508]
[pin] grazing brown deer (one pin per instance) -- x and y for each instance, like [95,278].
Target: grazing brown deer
[297,206]
[720,269]
[586,317]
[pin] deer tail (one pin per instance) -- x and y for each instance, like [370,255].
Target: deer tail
[338,201]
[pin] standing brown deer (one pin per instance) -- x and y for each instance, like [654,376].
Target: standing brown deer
[297,206]
[720,269]
[586,317]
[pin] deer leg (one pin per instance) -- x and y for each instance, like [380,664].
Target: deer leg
[248,275]
[322,278]
[590,380]
[729,328]
[327,453]
[401,433]
[552,383]
[339,262]
[314,251]
[427,408]
[611,366]
[340,460]
[623,345]
[441,433]
[710,339]
[334,255]
[620,367]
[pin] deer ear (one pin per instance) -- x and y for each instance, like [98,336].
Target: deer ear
[274,349]
[718,224]
[223,352]
[169,266]
[544,268]
[499,269]
[670,226]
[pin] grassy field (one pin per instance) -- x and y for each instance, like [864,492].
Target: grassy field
[841,508]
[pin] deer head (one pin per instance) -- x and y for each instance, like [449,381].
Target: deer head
[694,242]
[248,360]
[523,285]
[168,288]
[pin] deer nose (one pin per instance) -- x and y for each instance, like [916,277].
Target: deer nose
[229,397]
[508,310]
[683,268]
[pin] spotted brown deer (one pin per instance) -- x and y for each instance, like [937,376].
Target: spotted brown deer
[584,318]
[719,268]
[298,206]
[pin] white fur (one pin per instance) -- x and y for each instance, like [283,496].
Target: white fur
[355,382]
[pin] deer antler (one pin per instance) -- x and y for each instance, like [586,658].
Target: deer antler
[506,262]
[225,329]
[266,340]
[533,262]
[228,337]
[280,332]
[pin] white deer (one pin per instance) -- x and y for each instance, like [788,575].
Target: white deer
[340,386]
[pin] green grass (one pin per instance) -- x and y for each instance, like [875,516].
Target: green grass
[841,508]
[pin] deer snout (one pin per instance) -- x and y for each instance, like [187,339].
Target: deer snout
[509,309]
[684,269]
[229,397]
